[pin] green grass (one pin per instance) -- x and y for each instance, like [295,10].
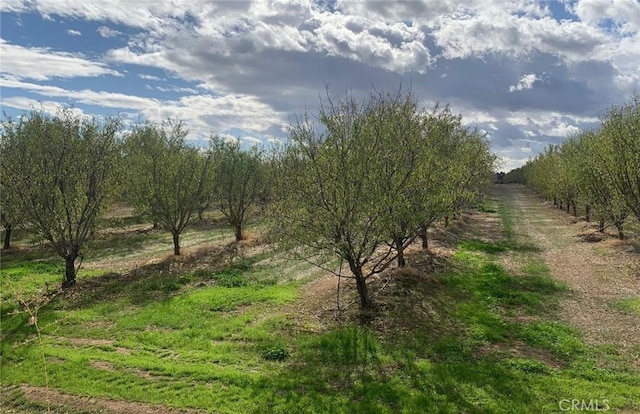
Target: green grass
[29,276]
[630,305]
[481,246]
[477,340]
[21,275]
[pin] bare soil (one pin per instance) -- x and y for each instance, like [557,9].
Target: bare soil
[598,274]
[76,403]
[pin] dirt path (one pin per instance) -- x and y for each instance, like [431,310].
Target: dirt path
[599,275]
[58,402]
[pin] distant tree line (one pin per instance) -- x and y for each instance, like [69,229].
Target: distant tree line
[515,176]
[596,169]
[359,182]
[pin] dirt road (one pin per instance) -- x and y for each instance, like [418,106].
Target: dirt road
[600,275]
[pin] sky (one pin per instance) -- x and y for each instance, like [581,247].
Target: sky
[528,73]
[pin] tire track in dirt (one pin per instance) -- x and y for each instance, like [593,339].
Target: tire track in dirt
[596,281]
[59,402]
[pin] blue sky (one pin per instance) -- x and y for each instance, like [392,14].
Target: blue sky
[526,72]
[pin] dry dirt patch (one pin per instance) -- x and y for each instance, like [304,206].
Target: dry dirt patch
[318,307]
[597,279]
[58,400]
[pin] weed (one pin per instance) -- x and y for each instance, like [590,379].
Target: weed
[525,365]
[275,353]
[229,279]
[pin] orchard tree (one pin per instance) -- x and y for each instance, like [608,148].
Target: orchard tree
[371,177]
[362,184]
[238,181]
[337,182]
[455,166]
[61,173]
[543,174]
[10,212]
[598,168]
[515,176]
[595,185]
[620,152]
[396,122]
[472,169]
[432,178]
[167,179]
[568,175]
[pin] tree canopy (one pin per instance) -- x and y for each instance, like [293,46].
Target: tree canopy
[364,180]
[60,171]
[167,179]
[238,181]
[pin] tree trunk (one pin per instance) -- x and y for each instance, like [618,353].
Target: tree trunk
[619,226]
[400,248]
[7,237]
[361,285]
[587,213]
[425,238]
[568,205]
[601,226]
[176,243]
[574,207]
[70,270]
[238,232]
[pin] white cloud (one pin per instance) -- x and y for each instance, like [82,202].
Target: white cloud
[256,63]
[228,138]
[395,47]
[72,32]
[28,104]
[85,96]
[392,38]
[107,32]
[624,13]
[172,88]
[142,14]
[13,6]
[525,82]
[203,113]
[561,130]
[43,63]
[149,77]
[252,140]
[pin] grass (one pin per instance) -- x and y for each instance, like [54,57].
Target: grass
[478,339]
[630,305]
